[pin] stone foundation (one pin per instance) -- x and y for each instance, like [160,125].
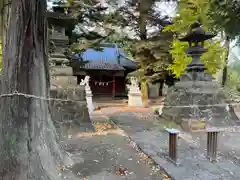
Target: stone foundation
[63,81]
[74,111]
[205,94]
[62,77]
[61,70]
[135,100]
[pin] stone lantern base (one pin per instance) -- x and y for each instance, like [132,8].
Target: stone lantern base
[71,114]
[62,77]
[209,98]
[135,99]
[63,81]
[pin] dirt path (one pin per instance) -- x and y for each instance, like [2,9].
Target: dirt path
[108,154]
[110,157]
[147,132]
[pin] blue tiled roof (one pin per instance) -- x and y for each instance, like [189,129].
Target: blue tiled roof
[108,58]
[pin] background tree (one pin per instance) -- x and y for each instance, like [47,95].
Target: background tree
[89,30]
[225,17]
[143,19]
[28,145]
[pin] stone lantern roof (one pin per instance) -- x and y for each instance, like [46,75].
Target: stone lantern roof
[61,17]
[197,34]
[196,37]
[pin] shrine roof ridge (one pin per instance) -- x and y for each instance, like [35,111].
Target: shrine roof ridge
[110,57]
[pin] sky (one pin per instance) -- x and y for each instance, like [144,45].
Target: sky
[166,8]
[49,5]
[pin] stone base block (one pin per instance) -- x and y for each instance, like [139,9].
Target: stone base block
[71,93]
[74,111]
[61,71]
[198,100]
[90,104]
[135,100]
[63,81]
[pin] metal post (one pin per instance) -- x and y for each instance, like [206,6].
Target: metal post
[212,140]
[172,144]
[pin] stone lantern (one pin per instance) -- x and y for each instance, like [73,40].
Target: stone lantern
[60,27]
[196,100]
[196,69]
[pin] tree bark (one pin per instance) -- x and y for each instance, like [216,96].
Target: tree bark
[143,8]
[144,91]
[225,67]
[29,148]
[5,11]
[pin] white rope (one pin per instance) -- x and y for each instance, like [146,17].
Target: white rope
[15,93]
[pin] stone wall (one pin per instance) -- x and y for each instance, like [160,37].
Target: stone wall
[71,110]
[154,90]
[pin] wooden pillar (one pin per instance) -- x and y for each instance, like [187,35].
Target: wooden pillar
[113,86]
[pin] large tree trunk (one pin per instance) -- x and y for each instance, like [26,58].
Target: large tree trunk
[29,149]
[144,91]
[143,8]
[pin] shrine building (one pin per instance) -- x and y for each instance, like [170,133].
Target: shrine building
[107,68]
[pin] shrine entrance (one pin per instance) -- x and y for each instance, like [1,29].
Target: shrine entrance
[106,83]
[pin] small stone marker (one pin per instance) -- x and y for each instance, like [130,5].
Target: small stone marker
[172,144]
